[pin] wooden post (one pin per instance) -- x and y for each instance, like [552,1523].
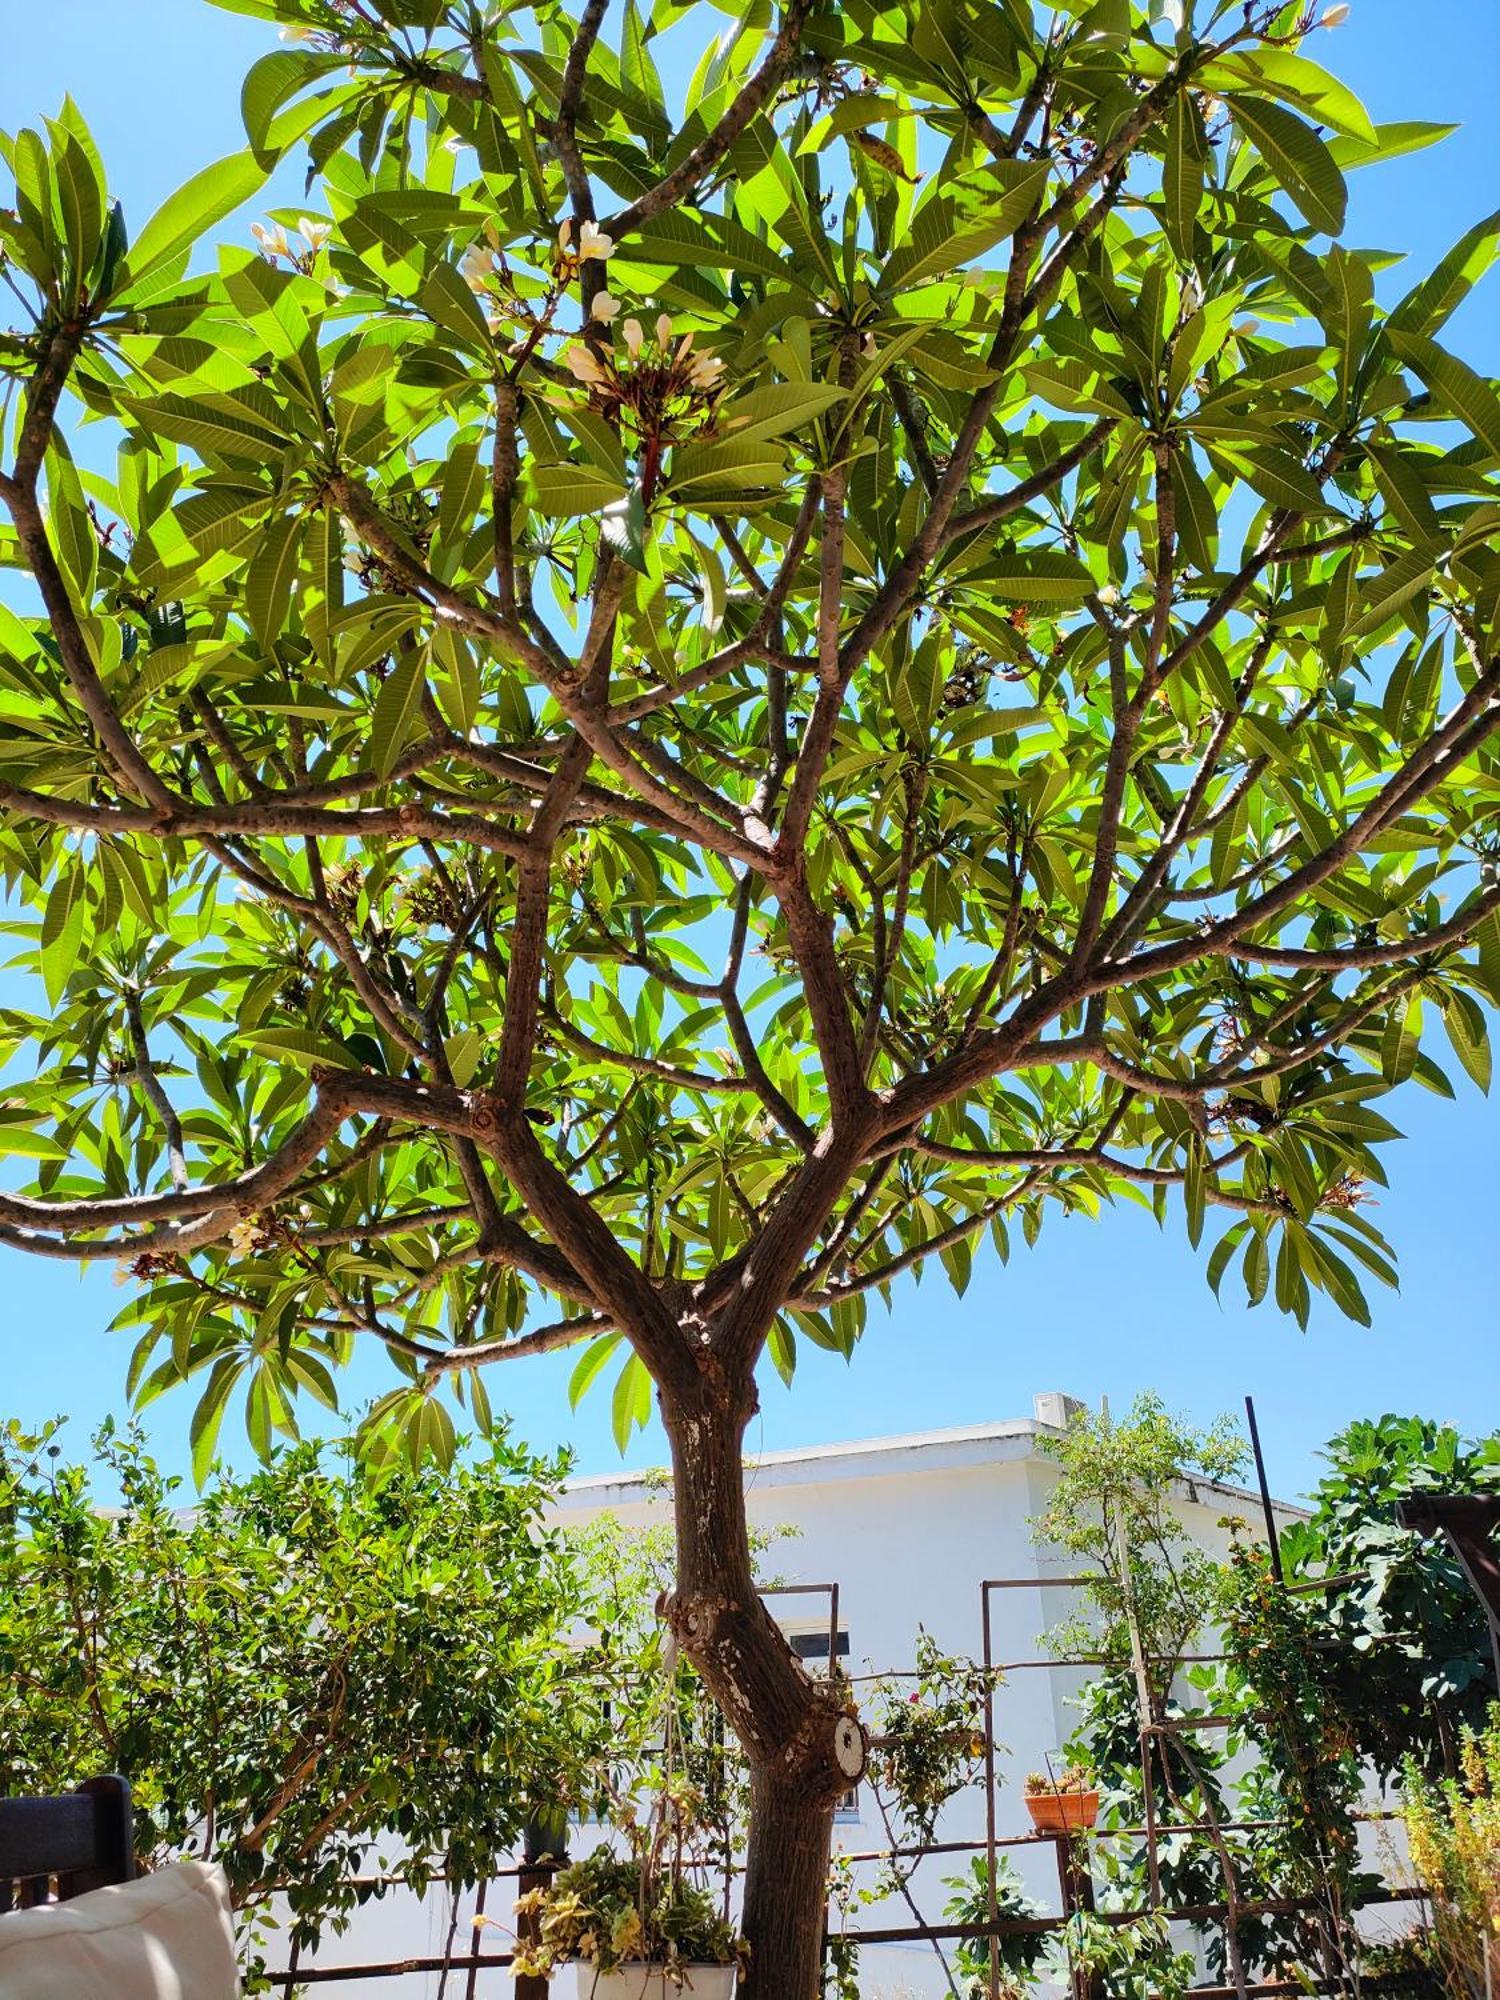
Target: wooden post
[529,1986]
[545,1850]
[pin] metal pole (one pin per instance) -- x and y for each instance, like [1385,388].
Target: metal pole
[1076,1879]
[1272,1538]
[992,1905]
[472,1981]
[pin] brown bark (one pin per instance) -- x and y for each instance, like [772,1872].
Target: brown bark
[801,1741]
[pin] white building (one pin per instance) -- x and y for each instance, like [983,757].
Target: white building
[909,1528]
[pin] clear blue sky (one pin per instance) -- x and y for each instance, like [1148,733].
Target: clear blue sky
[1096,1308]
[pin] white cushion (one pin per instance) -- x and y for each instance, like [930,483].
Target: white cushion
[166,1936]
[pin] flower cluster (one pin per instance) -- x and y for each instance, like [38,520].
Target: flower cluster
[655,379]
[276,244]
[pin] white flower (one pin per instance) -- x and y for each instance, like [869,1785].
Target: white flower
[592,242]
[245,1235]
[705,370]
[605,306]
[565,237]
[272,241]
[314,234]
[664,330]
[634,336]
[296,34]
[478,267]
[1335,17]
[584,366]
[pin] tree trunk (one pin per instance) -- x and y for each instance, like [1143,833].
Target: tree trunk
[802,1741]
[786,1888]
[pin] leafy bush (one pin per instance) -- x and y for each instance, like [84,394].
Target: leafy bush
[1414,1665]
[1020,1954]
[303,1663]
[1453,1828]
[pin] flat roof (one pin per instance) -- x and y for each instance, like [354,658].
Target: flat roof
[1013,1439]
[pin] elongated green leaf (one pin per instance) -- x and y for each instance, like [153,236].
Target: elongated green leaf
[301,1048]
[1298,158]
[1455,385]
[398,711]
[269,579]
[1296,81]
[1463,1018]
[942,239]
[208,1416]
[1395,586]
[1182,173]
[198,204]
[631,1408]
[589,1365]
[1427,305]
[776,409]
[1034,576]
[571,489]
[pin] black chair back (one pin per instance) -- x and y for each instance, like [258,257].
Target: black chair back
[61,1847]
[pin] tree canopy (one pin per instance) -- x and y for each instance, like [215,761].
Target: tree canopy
[958,681]
[729,662]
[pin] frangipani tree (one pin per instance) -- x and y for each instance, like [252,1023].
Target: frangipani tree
[680,701]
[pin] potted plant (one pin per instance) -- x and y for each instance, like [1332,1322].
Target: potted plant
[1065,1803]
[631,1930]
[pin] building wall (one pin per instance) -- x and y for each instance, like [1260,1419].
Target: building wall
[909,1529]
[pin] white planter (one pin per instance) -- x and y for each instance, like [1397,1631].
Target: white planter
[645,1982]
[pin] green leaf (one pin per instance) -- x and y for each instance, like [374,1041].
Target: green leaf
[208,1416]
[216,427]
[1396,585]
[1402,1040]
[23,1141]
[300,1047]
[198,204]
[1297,81]
[447,300]
[566,488]
[1298,158]
[590,1365]
[62,932]
[1033,576]
[781,1343]
[270,576]
[631,1408]
[775,410]
[269,84]
[1463,1018]
[942,239]
[1182,173]
[1428,305]
[706,242]
[397,720]
[1455,385]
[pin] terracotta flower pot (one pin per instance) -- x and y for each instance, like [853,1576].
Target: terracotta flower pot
[649,1982]
[1062,1812]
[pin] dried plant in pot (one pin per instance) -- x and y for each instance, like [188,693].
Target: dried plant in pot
[632,1926]
[1063,1802]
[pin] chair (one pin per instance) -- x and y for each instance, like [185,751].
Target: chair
[65,1846]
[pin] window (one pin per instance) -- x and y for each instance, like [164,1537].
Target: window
[810,1644]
